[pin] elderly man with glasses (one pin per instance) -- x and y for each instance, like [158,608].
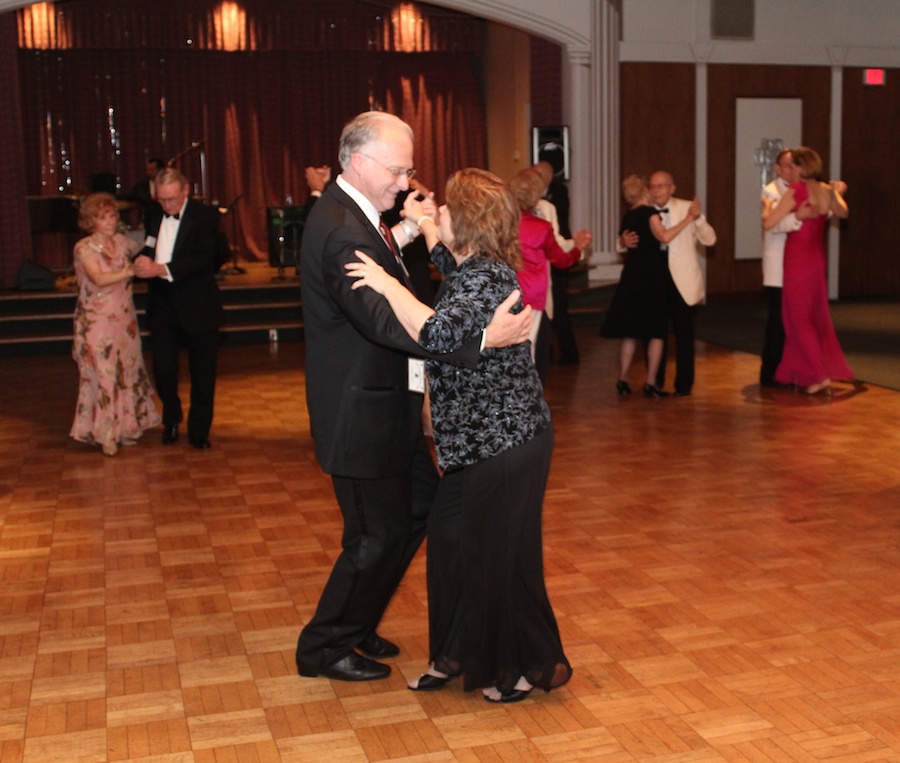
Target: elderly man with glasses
[364,401]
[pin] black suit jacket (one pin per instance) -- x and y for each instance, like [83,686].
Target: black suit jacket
[363,418]
[193,293]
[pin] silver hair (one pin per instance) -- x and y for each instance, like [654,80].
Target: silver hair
[171,175]
[365,129]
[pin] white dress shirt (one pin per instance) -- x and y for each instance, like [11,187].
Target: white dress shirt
[367,207]
[165,239]
[774,240]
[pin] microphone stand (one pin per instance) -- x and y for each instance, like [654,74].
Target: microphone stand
[233,269]
[194,145]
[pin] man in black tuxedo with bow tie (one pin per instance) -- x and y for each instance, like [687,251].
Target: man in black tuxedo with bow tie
[365,415]
[183,303]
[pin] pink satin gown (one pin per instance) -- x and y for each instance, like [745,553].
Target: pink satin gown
[812,352]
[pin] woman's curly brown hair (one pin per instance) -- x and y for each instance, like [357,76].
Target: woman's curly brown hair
[484,216]
[92,206]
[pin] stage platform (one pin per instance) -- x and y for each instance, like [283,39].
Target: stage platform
[262,304]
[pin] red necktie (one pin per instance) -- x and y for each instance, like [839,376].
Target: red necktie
[389,240]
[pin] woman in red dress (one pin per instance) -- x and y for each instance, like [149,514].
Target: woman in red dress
[812,354]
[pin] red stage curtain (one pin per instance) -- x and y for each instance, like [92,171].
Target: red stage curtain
[15,238]
[128,81]
[258,119]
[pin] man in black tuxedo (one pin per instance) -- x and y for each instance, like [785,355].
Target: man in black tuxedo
[365,415]
[183,303]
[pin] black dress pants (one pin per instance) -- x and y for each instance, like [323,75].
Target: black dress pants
[773,339]
[682,317]
[384,525]
[203,349]
[562,321]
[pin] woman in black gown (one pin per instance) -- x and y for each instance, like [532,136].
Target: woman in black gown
[489,614]
[638,309]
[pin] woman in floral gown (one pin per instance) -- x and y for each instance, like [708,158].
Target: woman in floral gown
[115,399]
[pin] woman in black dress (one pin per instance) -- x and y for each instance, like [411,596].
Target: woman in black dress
[490,618]
[638,309]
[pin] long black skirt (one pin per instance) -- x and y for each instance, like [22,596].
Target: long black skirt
[489,615]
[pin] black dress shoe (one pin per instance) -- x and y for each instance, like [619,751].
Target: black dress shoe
[682,393]
[353,667]
[200,443]
[623,387]
[375,646]
[428,682]
[651,390]
[170,434]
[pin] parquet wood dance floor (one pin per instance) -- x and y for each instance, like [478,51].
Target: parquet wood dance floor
[725,570]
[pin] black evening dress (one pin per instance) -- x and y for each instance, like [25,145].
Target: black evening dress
[489,615]
[639,307]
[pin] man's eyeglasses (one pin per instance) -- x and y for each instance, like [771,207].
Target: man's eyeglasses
[395,171]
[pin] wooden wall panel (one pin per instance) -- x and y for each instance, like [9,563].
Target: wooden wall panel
[727,83]
[657,121]
[870,157]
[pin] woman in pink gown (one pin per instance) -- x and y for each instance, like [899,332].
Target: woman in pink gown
[540,249]
[812,354]
[115,399]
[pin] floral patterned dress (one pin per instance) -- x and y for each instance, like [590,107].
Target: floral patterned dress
[115,398]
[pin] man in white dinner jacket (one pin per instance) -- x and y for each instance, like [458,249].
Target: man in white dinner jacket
[685,288]
[773,265]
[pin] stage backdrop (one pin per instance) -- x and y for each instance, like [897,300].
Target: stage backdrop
[257,99]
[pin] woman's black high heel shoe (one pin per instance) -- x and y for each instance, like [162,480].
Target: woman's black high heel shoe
[651,390]
[516,695]
[622,387]
[428,682]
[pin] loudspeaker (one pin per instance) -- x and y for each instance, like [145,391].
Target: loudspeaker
[33,277]
[285,225]
[551,144]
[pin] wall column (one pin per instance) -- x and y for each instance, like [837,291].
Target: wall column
[837,56]
[601,102]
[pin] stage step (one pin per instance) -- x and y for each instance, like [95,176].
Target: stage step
[41,323]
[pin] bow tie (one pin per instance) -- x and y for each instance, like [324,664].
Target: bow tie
[663,211]
[176,215]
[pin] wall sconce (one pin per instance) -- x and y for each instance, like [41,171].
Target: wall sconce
[230,21]
[408,28]
[37,27]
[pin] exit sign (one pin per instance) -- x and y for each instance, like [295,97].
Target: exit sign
[873,76]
